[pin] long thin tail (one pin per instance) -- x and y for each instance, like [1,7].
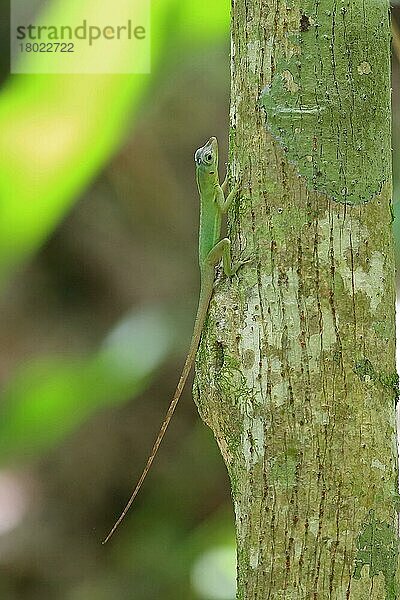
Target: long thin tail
[198,326]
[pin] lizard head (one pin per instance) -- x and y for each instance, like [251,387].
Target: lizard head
[206,157]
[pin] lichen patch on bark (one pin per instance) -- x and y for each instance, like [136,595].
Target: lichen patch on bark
[334,124]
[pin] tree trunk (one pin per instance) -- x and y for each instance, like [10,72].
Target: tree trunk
[296,369]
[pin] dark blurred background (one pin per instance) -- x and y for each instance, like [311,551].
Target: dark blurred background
[98,268]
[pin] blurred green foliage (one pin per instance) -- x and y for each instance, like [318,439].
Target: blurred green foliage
[48,399]
[72,346]
[57,131]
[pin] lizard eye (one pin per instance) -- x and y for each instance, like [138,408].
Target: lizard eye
[209,157]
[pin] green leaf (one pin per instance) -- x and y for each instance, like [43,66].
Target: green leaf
[50,398]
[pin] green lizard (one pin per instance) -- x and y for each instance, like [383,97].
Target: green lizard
[213,205]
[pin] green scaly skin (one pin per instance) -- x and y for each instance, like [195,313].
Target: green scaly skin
[213,205]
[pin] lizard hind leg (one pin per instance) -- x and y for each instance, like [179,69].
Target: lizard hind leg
[222,249]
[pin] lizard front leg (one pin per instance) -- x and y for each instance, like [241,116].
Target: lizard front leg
[222,202]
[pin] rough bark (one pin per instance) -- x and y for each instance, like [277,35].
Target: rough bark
[296,369]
